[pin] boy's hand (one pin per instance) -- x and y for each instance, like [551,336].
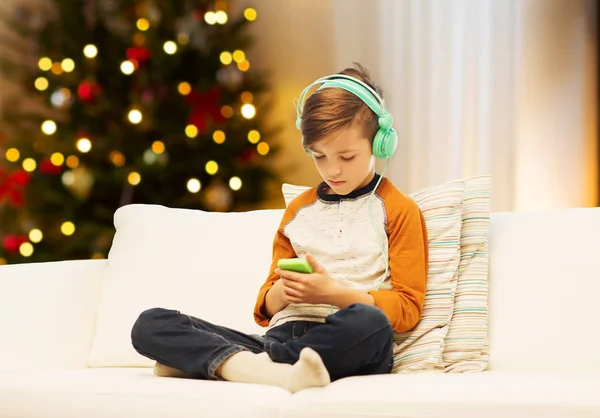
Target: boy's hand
[317,287]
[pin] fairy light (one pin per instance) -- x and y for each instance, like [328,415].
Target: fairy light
[84,145]
[158,147]
[45,64]
[134,178]
[90,51]
[226,57]
[247,97]
[67,65]
[235,183]
[221,17]
[117,158]
[67,228]
[29,165]
[210,18]
[127,67]
[227,112]
[26,249]
[219,136]
[57,68]
[49,127]
[254,136]
[57,159]
[194,185]
[244,65]
[212,167]
[184,88]
[12,155]
[41,83]
[263,148]
[248,111]
[135,116]
[250,14]
[35,235]
[191,131]
[143,24]
[72,161]
[239,55]
[170,47]
[183,38]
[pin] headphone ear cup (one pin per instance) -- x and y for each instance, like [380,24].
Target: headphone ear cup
[385,143]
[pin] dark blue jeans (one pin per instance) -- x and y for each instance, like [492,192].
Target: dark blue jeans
[354,341]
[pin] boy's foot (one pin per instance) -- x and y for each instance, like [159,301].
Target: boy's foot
[308,371]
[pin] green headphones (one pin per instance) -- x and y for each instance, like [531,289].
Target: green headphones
[386,138]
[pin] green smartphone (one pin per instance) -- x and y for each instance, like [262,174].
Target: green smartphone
[299,265]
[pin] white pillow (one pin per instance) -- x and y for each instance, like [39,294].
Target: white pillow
[209,265]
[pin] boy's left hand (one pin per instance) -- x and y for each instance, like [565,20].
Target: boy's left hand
[316,287]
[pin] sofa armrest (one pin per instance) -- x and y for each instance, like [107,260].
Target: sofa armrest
[47,314]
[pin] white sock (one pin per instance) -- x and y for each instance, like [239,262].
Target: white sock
[247,367]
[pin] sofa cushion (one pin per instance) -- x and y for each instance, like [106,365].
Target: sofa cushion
[209,265]
[452,395]
[132,392]
[421,348]
[466,344]
[544,286]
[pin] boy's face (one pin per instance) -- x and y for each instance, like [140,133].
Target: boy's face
[346,161]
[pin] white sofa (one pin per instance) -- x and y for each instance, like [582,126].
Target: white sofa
[543,329]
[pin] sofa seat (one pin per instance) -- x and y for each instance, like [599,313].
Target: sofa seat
[127,392]
[435,395]
[117,392]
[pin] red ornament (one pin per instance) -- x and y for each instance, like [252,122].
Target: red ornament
[88,90]
[205,106]
[13,242]
[47,167]
[139,54]
[248,154]
[11,185]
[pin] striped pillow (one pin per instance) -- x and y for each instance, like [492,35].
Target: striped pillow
[466,345]
[421,348]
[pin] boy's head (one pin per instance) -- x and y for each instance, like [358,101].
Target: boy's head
[338,130]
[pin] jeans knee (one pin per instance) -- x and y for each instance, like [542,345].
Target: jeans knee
[369,318]
[150,319]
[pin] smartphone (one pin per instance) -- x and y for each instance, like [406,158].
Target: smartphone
[299,265]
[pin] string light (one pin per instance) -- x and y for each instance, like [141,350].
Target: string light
[238,55]
[134,178]
[29,165]
[248,111]
[226,57]
[72,161]
[221,17]
[67,228]
[235,183]
[194,185]
[183,39]
[263,148]
[68,178]
[90,51]
[127,67]
[170,47]
[212,167]
[219,136]
[191,131]
[68,65]
[158,147]
[26,249]
[12,155]
[57,159]
[84,145]
[210,18]
[184,88]
[49,127]
[254,136]
[250,14]
[135,116]
[143,24]
[41,83]
[227,111]
[244,65]
[117,158]
[2,261]
[35,235]
[246,97]
[45,64]
[57,68]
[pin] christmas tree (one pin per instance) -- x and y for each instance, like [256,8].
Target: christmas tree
[123,101]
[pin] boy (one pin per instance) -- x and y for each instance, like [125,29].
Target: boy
[366,243]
